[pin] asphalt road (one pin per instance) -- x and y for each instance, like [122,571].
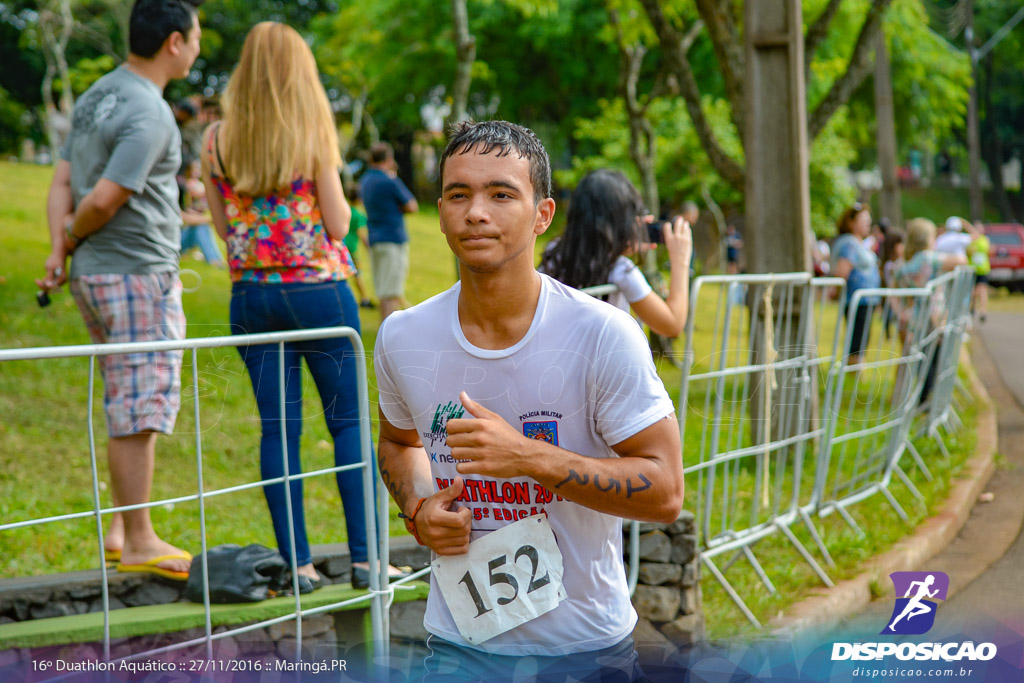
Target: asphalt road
[999,590]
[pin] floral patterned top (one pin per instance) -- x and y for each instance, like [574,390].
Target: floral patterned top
[279,237]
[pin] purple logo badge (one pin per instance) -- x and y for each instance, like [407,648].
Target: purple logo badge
[916,596]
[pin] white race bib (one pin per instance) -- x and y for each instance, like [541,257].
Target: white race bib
[508,577]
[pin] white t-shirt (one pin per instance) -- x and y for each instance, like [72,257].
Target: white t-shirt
[952,243]
[632,284]
[582,377]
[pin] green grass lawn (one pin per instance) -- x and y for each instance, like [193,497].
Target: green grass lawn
[44,451]
[939,203]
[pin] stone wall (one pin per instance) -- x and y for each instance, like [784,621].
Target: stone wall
[81,592]
[668,598]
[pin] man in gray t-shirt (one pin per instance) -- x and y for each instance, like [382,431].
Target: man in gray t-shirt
[123,131]
[113,207]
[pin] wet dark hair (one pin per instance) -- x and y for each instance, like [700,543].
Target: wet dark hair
[601,225]
[484,136]
[153,21]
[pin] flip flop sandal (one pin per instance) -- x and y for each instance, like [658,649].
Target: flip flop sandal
[150,566]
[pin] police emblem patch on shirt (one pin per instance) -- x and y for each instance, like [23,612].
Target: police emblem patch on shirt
[542,431]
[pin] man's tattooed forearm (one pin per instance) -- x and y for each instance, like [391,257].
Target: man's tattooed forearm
[630,489]
[608,483]
[574,476]
[393,487]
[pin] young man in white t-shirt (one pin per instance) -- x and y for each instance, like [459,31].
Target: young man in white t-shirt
[513,397]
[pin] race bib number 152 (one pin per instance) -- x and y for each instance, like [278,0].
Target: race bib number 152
[508,577]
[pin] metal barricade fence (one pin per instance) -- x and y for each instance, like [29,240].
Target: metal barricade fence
[753,397]
[871,398]
[377,543]
[954,290]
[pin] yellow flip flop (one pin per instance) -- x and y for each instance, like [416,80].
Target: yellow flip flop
[150,566]
[112,555]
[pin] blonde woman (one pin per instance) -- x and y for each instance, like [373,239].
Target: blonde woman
[922,264]
[271,171]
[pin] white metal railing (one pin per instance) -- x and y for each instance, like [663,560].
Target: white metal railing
[377,543]
[772,399]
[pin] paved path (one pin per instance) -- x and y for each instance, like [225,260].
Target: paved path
[999,590]
[983,579]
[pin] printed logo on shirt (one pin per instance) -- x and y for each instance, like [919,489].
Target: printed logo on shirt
[93,110]
[542,431]
[439,425]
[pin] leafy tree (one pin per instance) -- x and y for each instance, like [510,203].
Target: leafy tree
[226,23]
[14,124]
[930,83]
[1001,99]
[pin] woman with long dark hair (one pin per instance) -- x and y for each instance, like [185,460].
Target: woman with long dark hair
[606,222]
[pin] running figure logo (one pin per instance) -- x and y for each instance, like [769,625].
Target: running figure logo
[914,613]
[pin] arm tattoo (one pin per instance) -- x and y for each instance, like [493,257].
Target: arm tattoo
[630,489]
[611,483]
[608,484]
[574,476]
[393,486]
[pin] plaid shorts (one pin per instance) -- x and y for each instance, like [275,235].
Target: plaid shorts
[142,391]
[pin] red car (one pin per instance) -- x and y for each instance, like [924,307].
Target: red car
[1006,254]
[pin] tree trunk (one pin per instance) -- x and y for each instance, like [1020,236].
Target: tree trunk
[993,150]
[717,261]
[886,122]
[465,55]
[56,27]
[777,205]
[371,127]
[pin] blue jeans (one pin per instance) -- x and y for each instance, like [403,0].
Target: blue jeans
[332,362]
[201,236]
[449,662]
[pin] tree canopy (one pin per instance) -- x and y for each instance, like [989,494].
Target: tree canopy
[563,67]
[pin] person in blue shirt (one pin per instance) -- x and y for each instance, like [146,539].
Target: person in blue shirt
[858,265]
[387,199]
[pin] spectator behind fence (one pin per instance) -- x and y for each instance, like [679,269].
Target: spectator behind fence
[977,254]
[953,240]
[733,246]
[113,204]
[567,402]
[195,213]
[858,265]
[921,265]
[271,170]
[386,199]
[606,222]
[356,235]
[892,258]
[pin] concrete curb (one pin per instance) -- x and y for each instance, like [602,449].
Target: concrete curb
[831,605]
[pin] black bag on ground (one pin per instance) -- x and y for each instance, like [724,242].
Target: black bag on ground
[238,574]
